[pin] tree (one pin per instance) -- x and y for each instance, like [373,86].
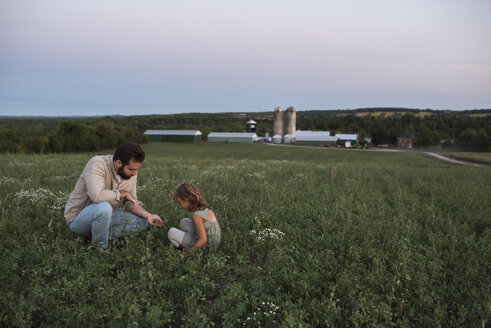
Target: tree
[38,145]
[437,138]
[380,137]
[467,137]
[8,141]
[107,135]
[424,137]
[74,137]
[131,133]
[481,141]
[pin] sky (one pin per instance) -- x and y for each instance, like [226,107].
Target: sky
[122,57]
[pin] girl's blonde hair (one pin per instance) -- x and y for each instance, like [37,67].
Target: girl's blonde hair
[188,191]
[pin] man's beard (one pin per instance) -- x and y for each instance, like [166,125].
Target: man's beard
[122,174]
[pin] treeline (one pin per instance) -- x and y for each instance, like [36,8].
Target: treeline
[468,129]
[60,135]
[68,136]
[463,129]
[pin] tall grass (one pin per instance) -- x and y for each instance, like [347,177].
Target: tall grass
[310,237]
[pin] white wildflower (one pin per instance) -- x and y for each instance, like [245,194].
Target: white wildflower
[267,233]
[220,197]
[34,196]
[55,201]
[258,175]
[16,164]
[207,172]
[56,178]
[265,312]
[9,180]
[60,200]
[141,188]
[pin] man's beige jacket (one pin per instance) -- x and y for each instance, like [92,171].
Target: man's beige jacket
[98,182]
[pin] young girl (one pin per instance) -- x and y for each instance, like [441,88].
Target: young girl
[203,230]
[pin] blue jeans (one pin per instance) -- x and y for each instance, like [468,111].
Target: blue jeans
[95,221]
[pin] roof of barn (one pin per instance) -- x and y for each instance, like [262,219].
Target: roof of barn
[232,134]
[173,132]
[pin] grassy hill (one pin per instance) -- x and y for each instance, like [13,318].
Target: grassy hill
[311,237]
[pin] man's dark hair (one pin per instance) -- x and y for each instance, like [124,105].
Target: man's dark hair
[129,151]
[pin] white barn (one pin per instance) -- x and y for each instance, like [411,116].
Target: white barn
[232,137]
[174,135]
[314,138]
[349,140]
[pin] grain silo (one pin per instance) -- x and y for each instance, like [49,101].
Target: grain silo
[277,139]
[287,138]
[291,121]
[278,121]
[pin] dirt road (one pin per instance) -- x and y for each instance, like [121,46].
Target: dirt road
[438,156]
[451,160]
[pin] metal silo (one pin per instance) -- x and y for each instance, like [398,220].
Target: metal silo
[278,121]
[277,139]
[291,121]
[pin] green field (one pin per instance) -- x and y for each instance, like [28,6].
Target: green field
[310,237]
[484,158]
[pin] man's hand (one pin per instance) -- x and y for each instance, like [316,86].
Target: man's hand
[154,219]
[127,196]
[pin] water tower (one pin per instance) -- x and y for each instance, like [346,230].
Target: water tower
[251,126]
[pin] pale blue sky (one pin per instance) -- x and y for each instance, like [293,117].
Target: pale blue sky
[106,57]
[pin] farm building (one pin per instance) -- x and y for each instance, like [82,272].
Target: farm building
[314,138]
[174,135]
[348,140]
[232,137]
[406,141]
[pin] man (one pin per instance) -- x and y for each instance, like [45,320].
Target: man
[107,182]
